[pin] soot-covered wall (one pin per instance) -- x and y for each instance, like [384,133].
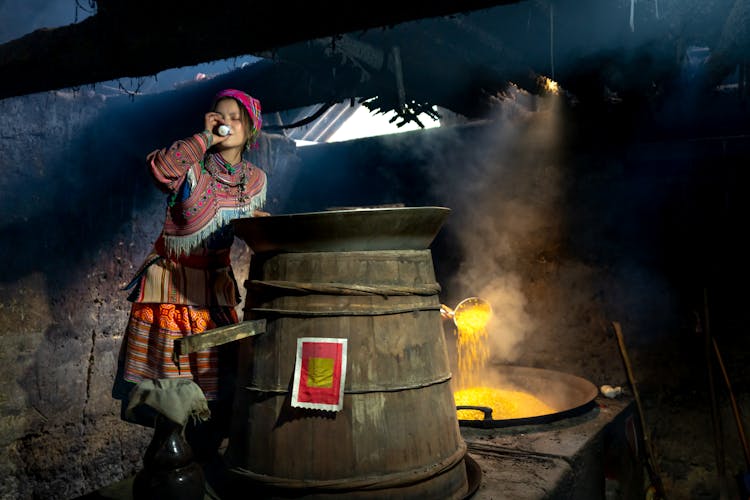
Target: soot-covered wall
[79,215]
[562,236]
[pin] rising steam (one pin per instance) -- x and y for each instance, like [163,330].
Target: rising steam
[508,216]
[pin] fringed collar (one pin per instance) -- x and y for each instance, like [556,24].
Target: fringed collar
[218,196]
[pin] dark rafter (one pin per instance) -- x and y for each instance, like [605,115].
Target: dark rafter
[141,38]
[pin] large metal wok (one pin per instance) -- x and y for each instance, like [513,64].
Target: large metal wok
[569,394]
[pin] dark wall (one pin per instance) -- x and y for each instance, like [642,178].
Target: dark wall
[79,215]
[73,197]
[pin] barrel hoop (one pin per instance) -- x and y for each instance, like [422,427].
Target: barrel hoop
[426,289]
[371,311]
[392,480]
[439,380]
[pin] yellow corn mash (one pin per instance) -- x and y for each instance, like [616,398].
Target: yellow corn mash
[471,318]
[473,352]
[505,404]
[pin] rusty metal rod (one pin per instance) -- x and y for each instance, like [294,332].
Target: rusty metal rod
[735,408]
[650,458]
[715,416]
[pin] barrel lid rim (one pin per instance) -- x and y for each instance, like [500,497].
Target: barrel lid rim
[390,228]
[357,210]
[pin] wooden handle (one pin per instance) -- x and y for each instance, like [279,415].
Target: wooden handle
[216,337]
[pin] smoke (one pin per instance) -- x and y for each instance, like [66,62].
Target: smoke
[508,215]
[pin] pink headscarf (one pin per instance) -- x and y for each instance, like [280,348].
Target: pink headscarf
[252,105]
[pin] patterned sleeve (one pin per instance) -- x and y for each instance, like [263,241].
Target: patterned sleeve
[169,166]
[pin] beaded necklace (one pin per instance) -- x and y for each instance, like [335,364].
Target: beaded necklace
[212,167]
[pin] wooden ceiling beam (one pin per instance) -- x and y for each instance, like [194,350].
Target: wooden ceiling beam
[141,38]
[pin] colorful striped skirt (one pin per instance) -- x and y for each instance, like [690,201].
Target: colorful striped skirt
[150,335]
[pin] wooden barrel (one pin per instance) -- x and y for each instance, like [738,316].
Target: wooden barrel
[397,435]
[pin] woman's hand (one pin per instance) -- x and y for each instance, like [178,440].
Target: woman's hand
[212,120]
[260,213]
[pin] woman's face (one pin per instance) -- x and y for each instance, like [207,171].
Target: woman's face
[233,115]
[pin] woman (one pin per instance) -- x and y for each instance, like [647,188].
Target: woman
[186,285]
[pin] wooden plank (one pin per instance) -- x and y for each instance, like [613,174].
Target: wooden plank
[218,336]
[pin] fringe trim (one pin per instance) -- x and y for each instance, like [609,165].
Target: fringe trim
[184,245]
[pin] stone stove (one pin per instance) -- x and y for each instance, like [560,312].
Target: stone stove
[590,456]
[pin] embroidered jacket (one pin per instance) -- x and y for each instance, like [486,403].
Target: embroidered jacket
[189,263]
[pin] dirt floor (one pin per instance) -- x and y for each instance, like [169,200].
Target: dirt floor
[674,389]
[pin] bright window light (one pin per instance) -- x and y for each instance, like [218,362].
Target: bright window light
[364,123]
